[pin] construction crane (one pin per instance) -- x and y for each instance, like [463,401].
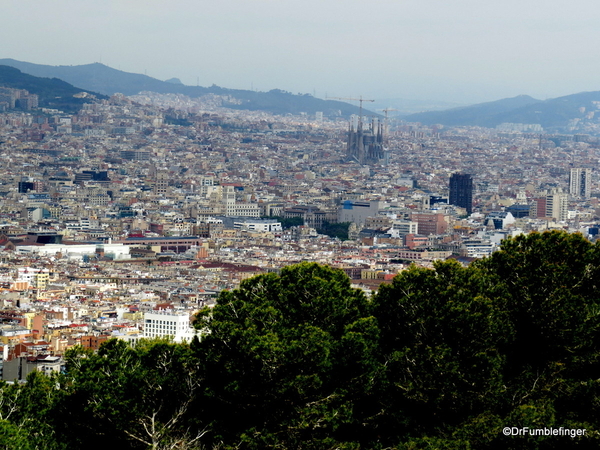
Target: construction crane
[360,99]
[386,110]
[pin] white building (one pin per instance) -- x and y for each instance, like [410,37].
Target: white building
[403,227]
[165,323]
[130,338]
[242,210]
[77,251]
[580,183]
[258,225]
[499,219]
[556,205]
[37,278]
[478,248]
[357,211]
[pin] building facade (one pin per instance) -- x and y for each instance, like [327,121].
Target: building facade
[580,183]
[557,204]
[461,191]
[167,323]
[365,143]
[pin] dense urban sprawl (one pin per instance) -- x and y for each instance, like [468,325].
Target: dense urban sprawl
[124,219]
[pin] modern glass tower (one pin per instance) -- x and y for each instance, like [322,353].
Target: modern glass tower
[461,191]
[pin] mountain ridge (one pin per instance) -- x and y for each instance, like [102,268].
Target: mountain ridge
[100,78]
[556,114]
[51,92]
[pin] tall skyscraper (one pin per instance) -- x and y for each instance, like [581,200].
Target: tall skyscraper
[580,181]
[461,191]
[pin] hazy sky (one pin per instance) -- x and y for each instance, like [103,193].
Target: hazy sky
[460,50]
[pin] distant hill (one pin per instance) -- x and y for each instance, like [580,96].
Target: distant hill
[482,114]
[552,114]
[106,80]
[402,107]
[556,112]
[52,92]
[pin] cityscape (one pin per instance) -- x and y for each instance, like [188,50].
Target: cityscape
[299,225]
[117,213]
[136,227]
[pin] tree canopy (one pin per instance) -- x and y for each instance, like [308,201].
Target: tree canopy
[441,358]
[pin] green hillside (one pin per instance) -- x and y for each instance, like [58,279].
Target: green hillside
[52,92]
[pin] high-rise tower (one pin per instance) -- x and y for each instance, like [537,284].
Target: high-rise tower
[580,181]
[461,191]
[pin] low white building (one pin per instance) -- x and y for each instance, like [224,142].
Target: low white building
[77,251]
[499,219]
[258,225]
[130,338]
[478,248]
[403,227]
[165,323]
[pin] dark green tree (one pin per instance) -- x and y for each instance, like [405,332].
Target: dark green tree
[441,358]
[439,350]
[286,358]
[510,341]
[288,223]
[27,413]
[13,437]
[335,230]
[130,397]
[548,284]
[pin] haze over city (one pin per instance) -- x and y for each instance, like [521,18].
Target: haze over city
[466,51]
[226,264]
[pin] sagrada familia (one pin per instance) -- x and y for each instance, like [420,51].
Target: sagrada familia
[366,146]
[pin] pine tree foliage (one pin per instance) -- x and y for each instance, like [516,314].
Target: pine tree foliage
[441,358]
